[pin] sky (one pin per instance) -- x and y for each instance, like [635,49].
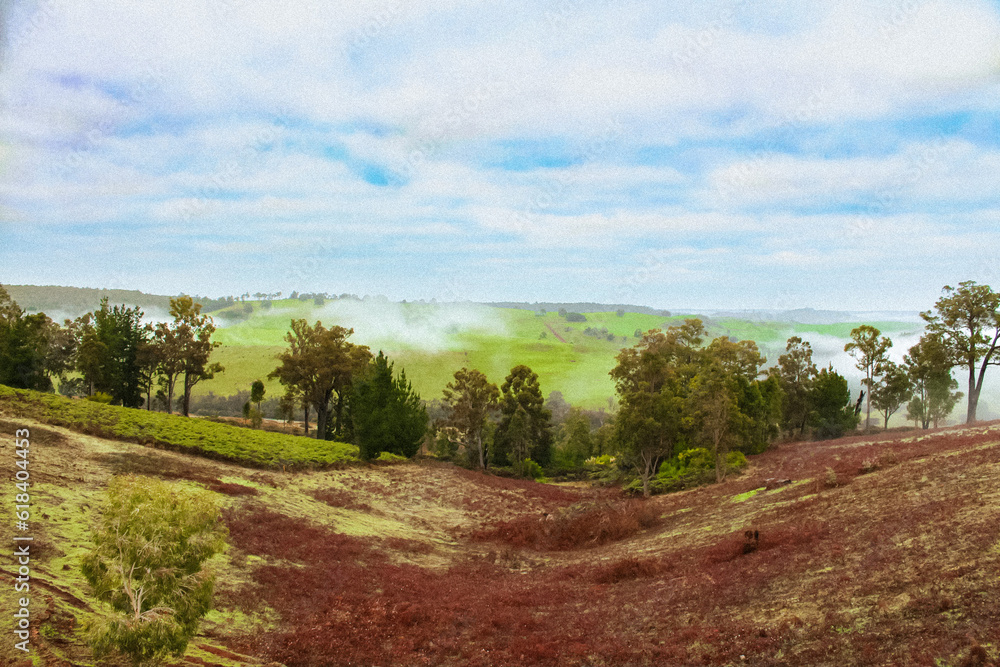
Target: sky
[713,154]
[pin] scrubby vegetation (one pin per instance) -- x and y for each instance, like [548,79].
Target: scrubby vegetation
[220,441]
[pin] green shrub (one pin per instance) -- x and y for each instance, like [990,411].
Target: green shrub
[389,457]
[736,461]
[530,469]
[101,397]
[146,567]
[261,449]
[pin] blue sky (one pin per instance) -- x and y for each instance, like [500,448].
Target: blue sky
[711,154]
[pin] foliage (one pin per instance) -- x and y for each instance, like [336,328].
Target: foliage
[928,365]
[795,373]
[574,445]
[471,398]
[149,548]
[389,457]
[830,401]
[25,341]
[690,468]
[262,449]
[891,391]
[318,364]
[529,469]
[576,317]
[871,354]
[967,323]
[387,414]
[101,397]
[524,430]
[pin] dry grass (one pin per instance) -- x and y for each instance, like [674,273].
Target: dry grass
[890,560]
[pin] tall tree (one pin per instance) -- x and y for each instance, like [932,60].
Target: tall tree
[871,352]
[387,414]
[148,358]
[108,352]
[830,404]
[525,428]
[967,321]
[713,410]
[24,343]
[891,391]
[317,363]
[193,332]
[169,343]
[928,365]
[796,372]
[471,397]
[652,379]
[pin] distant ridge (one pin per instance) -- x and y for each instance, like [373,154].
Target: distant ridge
[583,307]
[57,300]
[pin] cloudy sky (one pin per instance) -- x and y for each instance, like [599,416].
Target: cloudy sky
[714,154]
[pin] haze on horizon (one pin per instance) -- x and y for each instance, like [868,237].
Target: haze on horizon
[724,154]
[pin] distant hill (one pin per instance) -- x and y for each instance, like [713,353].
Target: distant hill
[587,307]
[61,302]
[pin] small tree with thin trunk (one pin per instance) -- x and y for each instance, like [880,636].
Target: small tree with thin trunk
[471,397]
[871,352]
[891,391]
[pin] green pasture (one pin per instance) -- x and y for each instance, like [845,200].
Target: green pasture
[430,343]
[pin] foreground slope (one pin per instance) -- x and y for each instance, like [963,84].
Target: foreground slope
[876,553]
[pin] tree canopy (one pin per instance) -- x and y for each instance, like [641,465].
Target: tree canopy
[319,363]
[387,414]
[967,322]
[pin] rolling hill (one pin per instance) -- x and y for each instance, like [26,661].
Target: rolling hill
[875,552]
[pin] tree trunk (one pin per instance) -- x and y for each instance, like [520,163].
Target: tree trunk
[482,450]
[187,394]
[170,395]
[305,417]
[970,414]
[868,405]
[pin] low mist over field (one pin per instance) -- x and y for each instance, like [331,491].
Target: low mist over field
[428,327]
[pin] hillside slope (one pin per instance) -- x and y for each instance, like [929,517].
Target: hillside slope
[877,553]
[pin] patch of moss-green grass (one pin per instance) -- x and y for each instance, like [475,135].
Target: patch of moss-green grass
[262,449]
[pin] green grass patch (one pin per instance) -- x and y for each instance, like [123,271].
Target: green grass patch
[740,497]
[259,449]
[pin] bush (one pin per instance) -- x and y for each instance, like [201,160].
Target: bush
[529,468]
[692,467]
[389,457]
[736,461]
[101,397]
[146,566]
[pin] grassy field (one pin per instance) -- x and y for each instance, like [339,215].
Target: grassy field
[432,341]
[425,563]
[220,441]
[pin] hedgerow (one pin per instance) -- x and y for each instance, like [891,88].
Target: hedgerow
[261,449]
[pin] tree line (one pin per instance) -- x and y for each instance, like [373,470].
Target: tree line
[675,390]
[109,354]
